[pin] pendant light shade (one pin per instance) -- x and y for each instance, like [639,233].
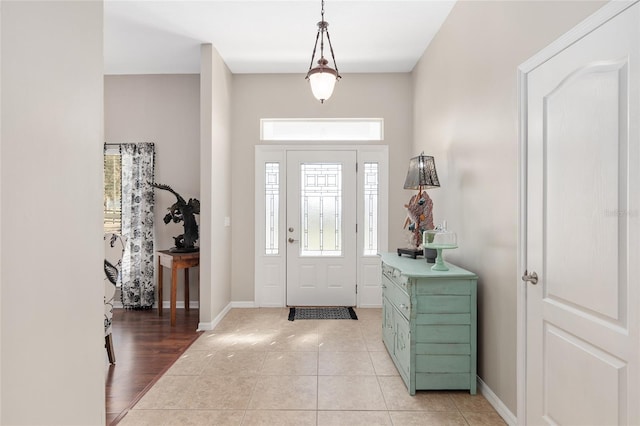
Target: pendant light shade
[322,81]
[322,78]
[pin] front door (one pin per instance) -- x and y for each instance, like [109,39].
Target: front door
[321,228]
[582,240]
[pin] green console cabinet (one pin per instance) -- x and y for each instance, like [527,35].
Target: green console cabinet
[429,323]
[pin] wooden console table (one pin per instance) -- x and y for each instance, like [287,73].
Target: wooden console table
[175,261]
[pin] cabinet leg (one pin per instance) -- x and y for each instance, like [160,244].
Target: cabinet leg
[186,289]
[108,343]
[174,291]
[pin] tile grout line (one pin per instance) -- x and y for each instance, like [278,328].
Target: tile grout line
[318,375]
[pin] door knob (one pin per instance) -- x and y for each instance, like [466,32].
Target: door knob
[532,277]
[291,240]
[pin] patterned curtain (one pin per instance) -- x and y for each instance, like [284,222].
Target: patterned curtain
[138,289]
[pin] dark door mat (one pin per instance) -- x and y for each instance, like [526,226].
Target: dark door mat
[322,313]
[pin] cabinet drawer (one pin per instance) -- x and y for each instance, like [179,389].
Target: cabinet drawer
[462,287]
[396,297]
[437,304]
[443,348]
[443,334]
[396,277]
[443,381]
[433,319]
[443,363]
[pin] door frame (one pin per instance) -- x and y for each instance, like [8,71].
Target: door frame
[270,270]
[601,16]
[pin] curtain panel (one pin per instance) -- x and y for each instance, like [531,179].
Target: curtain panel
[138,286]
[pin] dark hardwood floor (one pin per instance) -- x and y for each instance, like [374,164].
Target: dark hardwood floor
[145,347]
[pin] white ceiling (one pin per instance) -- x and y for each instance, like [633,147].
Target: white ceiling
[263,36]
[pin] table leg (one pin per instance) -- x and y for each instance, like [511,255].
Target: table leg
[186,289]
[174,291]
[159,287]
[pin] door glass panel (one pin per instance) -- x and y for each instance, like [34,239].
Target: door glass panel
[321,209]
[370,209]
[272,202]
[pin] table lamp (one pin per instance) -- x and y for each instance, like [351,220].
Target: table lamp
[420,176]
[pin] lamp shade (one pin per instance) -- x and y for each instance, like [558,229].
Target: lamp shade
[422,173]
[322,81]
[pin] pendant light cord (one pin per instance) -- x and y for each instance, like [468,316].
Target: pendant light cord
[335,64]
[322,28]
[313,55]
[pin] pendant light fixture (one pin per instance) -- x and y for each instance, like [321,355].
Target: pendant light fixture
[322,78]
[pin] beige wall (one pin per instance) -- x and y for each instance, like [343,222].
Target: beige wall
[288,96]
[465,114]
[52,357]
[165,110]
[215,157]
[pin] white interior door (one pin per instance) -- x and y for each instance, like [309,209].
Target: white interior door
[321,228]
[582,230]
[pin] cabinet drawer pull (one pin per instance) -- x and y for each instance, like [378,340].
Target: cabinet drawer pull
[403,306]
[384,286]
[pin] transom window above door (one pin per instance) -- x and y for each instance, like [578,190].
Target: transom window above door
[322,129]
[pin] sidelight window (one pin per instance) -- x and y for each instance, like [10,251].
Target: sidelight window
[272,203]
[370,209]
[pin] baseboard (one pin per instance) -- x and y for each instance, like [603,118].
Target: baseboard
[193,304]
[248,304]
[205,326]
[497,403]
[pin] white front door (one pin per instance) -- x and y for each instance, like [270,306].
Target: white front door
[321,228]
[582,240]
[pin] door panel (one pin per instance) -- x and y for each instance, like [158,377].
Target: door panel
[402,349]
[590,369]
[574,135]
[387,324]
[321,228]
[582,239]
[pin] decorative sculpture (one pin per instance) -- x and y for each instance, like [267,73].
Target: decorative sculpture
[181,211]
[419,216]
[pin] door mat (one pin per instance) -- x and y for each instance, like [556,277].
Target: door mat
[322,313]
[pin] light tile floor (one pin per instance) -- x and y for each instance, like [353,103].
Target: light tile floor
[258,368]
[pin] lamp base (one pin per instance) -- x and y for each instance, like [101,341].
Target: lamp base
[410,252]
